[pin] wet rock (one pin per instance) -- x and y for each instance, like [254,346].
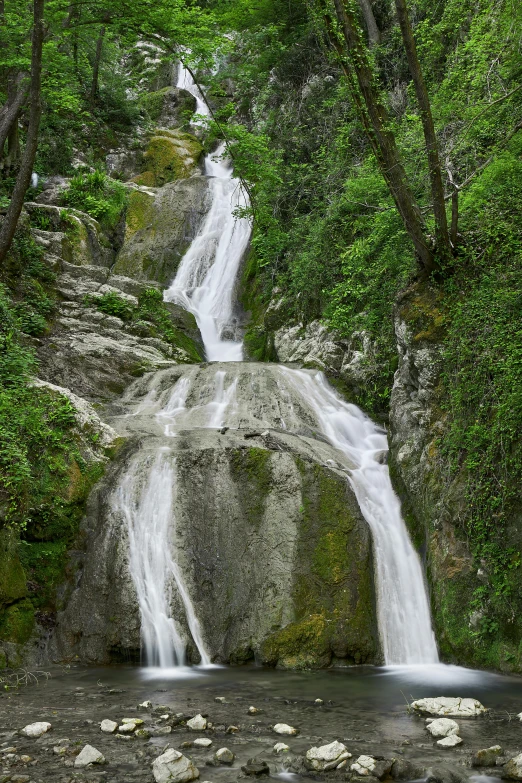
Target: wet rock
[160,731]
[402,769]
[88,755]
[173,767]
[197,723]
[142,733]
[486,757]
[253,710]
[445,774]
[284,728]
[319,702]
[280,747]
[35,729]
[146,705]
[232,729]
[108,726]
[443,727]
[127,728]
[224,756]
[444,705]
[368,766]
[255,767]
[202,742]
[220,699]
[513,769]
[327,757]
[450,742]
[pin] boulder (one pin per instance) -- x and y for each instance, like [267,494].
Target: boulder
[197,723]
[88,755]
[173,767]
[108,726]
[513,769]
[450,742]
[280,747]
[486,757]
[255,767]
[284,728]
[327,757]
[224,756]
[202,742]
[35,729]
[451,706]
[443,727]
[171,155]
[367,766]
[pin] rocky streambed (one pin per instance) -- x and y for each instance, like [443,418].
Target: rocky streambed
[236,723]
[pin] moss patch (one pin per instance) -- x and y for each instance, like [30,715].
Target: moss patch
[17,622]
[251,469]
[171,155]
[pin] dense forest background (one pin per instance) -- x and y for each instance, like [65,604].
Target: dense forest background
[284,84]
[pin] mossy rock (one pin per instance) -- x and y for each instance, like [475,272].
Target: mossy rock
[17,622]
[169,106]
[12,575]
[171,155]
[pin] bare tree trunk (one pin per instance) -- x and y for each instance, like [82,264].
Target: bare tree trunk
[96,65]
[437,189]
[382,138]
[17,95]
[374,34]
[23,179]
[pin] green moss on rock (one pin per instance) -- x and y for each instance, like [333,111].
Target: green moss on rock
[17,622]
[171,155]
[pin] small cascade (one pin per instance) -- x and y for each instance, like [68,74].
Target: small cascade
[204,284]
[146,499]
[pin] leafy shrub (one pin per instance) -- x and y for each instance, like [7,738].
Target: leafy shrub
[102,198]
[111,304]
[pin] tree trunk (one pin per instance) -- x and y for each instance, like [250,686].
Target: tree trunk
[437,189]
[23,179]
[96,65]
[381,138]
[17,95]
[374,35]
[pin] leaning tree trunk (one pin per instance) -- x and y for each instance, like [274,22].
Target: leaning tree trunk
[17,96]
[437,188]
[374,35]
[23,179]
[381,137]
[96,66]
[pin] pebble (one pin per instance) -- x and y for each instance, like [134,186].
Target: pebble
[284,728]
[88,755]
[35,729]
[224,756]
[232,729]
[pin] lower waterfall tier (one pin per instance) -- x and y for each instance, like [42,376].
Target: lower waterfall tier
[261,522]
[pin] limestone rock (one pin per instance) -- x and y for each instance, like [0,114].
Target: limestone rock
[284,728]
[255,767]
[173,767]
[253,710]
[146,705]
[444,705]
[327,757]
[450,742]
[35,729]
[224,756]
[108,726]
[88,755]
[363,766]
[280,747]
[202,742]
[171,155]
[443,727]
[197,723]
[486,757]
[513,769]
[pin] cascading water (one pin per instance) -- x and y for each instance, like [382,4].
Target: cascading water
[204,285]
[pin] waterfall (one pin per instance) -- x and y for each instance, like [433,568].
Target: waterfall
[145,498]
[204,284]
[402,604]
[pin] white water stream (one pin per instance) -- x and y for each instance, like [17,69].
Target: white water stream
[204,285]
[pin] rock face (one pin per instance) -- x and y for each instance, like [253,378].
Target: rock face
[160,226]
[269,537]
[171,155]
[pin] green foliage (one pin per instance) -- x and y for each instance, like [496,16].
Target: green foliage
[97,195]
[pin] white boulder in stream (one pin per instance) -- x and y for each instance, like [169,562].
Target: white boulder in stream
[513,769]
[174,767]
[35,729]
[88,755]
[108,726]
[197,723]
[450,742]
[327,757]
[364,765]
[284,728]
[450,706]
[443,727]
